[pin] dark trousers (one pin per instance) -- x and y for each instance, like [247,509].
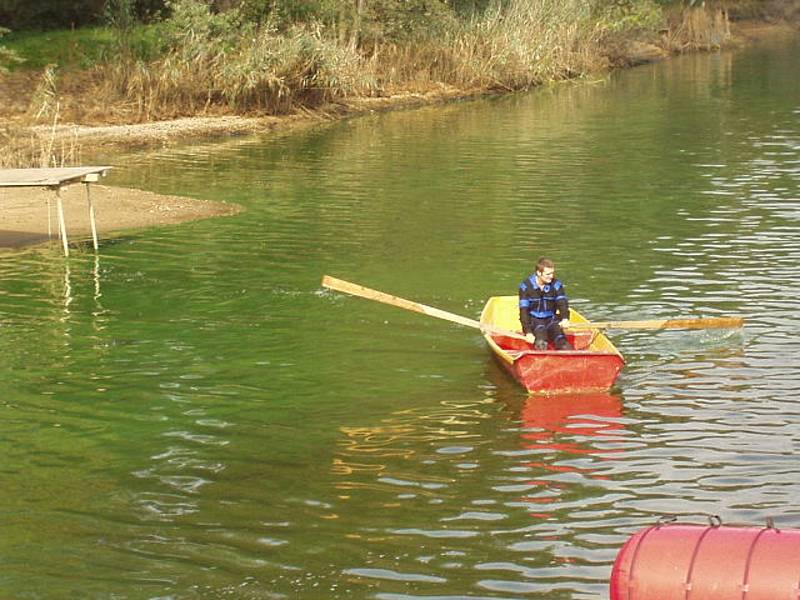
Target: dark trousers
[545,330]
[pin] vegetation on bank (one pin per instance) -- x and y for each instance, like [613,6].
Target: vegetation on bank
[143,60]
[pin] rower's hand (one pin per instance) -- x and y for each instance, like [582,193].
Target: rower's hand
[529,337]
[564,323]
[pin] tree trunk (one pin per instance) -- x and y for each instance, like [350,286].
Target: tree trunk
[360,6]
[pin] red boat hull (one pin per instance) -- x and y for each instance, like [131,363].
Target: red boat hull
[566,372]
[593,366]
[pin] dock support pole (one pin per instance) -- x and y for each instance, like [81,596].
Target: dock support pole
[62,225]
[91,216]
[49,219]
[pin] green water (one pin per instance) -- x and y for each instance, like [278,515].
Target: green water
[189,415]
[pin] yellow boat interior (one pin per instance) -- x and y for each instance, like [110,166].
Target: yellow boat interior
[503,312]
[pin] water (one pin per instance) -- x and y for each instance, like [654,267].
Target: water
[190,415]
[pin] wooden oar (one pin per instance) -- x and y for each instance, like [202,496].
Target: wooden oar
[354,289]
[709,323]
[364,292]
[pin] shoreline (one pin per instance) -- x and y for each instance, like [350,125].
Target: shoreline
[24,218]
[132,136]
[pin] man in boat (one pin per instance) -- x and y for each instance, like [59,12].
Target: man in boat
[544,307]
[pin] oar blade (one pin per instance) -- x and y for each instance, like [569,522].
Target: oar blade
[710,323]
[700,323]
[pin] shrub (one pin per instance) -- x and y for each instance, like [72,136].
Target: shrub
[49,14]
[520,43]
[217,60]
[628,15]
[285,13]
[7,56]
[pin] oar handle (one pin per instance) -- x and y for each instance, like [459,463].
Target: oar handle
[354,289]
[492,330]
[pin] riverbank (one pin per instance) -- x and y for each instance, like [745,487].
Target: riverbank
[103,136]
[23,220]
[173,131]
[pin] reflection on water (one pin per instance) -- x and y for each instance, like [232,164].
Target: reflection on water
[462,488]
[568,433]
[403,435]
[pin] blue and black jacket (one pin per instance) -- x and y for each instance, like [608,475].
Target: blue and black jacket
[548,302]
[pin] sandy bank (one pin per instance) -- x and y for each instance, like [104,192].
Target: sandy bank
[163,133]
[24,215]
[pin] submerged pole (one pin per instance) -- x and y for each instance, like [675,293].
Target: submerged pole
[91,216]
[62,225]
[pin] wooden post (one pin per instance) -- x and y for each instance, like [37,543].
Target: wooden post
[49,219]
[360,6]
[91,216]
[62,225]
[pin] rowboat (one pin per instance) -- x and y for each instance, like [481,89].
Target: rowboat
[593,365]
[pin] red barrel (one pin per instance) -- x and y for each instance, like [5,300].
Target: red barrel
[714,562]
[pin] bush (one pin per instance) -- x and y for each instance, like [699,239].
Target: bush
[193,27]
[49,14]
[217,60]
[392,21]
[7,57]
[285,13]
[619,16]
[67,14]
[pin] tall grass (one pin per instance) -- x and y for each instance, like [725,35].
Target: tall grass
[44,101]
[202,62]
[216,62]
[696,28]
[520,44]
[42,146]
[22,148]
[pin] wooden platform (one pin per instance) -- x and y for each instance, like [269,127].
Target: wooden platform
[50,177]
[55,179]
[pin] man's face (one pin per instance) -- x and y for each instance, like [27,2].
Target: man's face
[546,275]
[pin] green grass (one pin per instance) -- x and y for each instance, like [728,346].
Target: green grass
[76,48]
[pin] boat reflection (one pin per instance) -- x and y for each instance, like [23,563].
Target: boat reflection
[570,435]
[387,456]
[559,422]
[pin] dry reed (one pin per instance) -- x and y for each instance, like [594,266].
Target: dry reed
[268,72]
[42,146]
[25,148]
[705,28]
[219,64]
[514,46]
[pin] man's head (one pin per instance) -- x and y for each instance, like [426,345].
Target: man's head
[545,270]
